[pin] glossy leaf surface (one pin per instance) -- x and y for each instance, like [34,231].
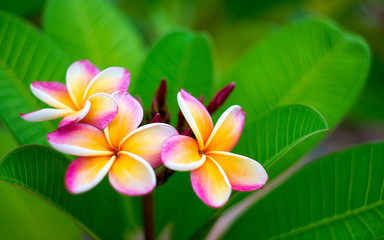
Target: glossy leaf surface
[311,62]
[184,59]
[25,56]
[41,171]
[94,30]
[284,126]
[340,196]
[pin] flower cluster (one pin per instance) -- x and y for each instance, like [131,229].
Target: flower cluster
[101,124]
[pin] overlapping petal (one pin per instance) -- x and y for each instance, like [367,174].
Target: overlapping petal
[128,118]
[147,141]
[181,153]
[85,94]
[227,131]
[76,116]
[196,115]
[244,174]
[214,170]
[132,175]
[79,75]
[45,114]
[54,94]
[86,172]
[81,140]
[110,80]
[102,111]
[211,184]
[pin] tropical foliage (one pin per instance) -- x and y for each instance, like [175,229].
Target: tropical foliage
[296,83]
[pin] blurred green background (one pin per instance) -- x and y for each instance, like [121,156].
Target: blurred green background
[234,26]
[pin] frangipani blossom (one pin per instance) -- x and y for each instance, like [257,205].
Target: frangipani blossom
[85,97]
[127,153]
[214,170]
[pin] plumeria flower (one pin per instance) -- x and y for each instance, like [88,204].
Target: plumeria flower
[214,170]
[127,153]
[85,97]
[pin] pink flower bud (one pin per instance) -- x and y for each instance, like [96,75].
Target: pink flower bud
[220,97]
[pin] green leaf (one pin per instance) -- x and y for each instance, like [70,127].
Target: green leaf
[22,210]
[178,207]
[311,63]
[94,30]
[23,8]
[265,140]
[184,59]
[268,138]
[25,56]
[8,143]
[340,196]
[24,216]
[371,98]
[41,170]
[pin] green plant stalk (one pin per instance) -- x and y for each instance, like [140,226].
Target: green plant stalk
[148,216]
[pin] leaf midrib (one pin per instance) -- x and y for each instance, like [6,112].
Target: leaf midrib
[91,48]
[184,62]
[325,221]
[306,78]
[17,82]
[292,144]
[298,86]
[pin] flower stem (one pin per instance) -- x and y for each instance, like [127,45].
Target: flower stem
[162,175]
[148,216]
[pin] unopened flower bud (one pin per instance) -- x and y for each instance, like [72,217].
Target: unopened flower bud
[159,103]
[220,97]
[187,132]
[156,118]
